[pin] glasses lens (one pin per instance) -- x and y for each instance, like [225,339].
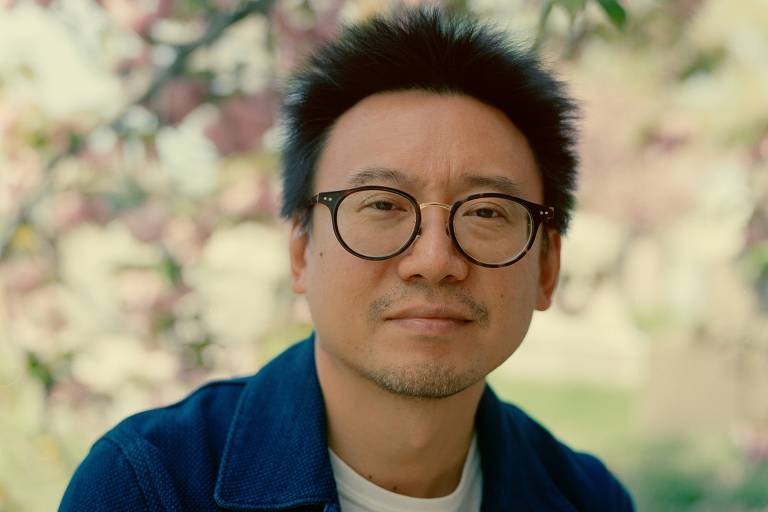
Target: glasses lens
[376,223]
[493,230]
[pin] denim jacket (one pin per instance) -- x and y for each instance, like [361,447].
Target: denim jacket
[259,443]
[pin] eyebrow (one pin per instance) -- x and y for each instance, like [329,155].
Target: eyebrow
[369,174]
[500,183]
[365,176]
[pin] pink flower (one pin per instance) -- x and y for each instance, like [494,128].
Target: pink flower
[250,197]
[180,97]
[185,239]
[22,275]
[138,16]
[147,222]
[72,208]
[242,122]
[297,37]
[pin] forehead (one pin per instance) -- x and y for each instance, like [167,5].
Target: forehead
[437,143]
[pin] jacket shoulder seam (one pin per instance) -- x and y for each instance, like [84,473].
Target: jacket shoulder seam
[118,445]
[137,451]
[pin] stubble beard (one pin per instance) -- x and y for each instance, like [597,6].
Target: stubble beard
[424,381]
[430,380]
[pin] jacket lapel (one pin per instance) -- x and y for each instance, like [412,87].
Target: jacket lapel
[513,476]
[275,456]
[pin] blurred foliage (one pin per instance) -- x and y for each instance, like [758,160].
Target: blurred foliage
[665,473]
[140,252]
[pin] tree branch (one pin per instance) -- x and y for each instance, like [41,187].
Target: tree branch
[218,24]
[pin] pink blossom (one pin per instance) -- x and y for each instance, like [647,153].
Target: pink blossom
[139,289]
[126,65]
[185,239]
[138,16]
[180,97]
[147,222]
[297,37]
[22,275]
[72,208]
[242,122]
[759,154]
[249,197]
[756,442]
[44,307]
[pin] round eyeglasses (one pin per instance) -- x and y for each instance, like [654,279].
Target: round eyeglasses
[490,229]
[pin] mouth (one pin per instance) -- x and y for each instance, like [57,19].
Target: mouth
[430,321]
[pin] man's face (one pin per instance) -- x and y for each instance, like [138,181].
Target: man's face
[427,322]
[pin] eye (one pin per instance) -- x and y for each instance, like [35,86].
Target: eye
[382,205]
[486,212]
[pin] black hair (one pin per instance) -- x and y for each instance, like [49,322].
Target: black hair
[428,48]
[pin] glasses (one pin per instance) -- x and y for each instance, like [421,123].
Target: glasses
[377,223]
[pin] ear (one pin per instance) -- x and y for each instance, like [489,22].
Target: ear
[549,270]
[297,247]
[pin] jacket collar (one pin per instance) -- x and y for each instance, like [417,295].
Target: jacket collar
[513,477]
[276,456]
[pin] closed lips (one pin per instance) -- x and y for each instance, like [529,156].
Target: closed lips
[437,313]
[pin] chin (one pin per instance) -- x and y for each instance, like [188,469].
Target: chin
[428,380]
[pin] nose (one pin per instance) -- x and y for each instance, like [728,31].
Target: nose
[432,256]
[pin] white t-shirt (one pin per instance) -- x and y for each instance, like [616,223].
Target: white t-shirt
[357,494]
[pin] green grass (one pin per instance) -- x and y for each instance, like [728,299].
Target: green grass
[664,474]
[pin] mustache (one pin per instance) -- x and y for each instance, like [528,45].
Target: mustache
[379,308]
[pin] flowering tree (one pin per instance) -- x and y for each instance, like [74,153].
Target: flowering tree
[140,253]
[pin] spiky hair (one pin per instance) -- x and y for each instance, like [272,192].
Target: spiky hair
[427,48]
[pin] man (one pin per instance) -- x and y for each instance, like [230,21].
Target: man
[429,174]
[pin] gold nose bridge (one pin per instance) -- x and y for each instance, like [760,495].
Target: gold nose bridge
[446,207]
[441,205]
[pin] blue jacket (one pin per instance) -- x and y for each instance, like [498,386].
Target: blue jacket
[259,443]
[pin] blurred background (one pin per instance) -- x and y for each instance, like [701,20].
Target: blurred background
[141,254]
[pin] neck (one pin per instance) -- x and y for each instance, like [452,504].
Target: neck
[411,446]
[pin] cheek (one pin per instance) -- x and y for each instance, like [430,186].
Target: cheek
[516,296]
[515,310]
[514,313]
[340,282]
